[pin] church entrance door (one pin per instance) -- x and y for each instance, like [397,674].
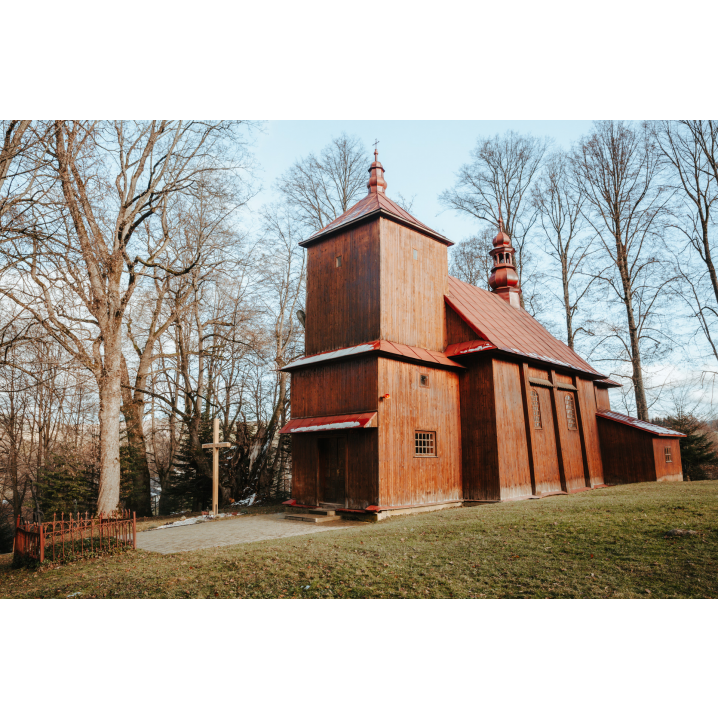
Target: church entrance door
[332,470]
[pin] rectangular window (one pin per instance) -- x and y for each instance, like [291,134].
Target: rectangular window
[424,443]
[668,454]
[338,260]
[424,380]
[416,253]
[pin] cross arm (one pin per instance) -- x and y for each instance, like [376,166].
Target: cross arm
[225,445]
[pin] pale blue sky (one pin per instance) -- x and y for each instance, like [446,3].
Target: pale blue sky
[420,157]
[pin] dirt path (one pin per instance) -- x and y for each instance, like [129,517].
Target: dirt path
[245,529]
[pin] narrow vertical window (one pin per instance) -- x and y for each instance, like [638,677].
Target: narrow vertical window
[416,253]
[668,454]
[424,380]
[571,413]
[338,260]
[424,443]
[536,408]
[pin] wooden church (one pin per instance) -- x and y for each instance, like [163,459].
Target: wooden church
[418,391]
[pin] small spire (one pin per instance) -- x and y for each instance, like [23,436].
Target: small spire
[376,183]
[504,280]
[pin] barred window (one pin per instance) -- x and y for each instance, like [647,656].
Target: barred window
[668,454]
[571,413]
[424,443]
[536,406]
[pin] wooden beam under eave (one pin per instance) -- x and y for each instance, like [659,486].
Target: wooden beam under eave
[557,431]
[525,394]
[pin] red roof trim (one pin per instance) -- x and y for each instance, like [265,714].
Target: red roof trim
[375,203]
[640,425]
[382,348]
[343,422]
[471,347]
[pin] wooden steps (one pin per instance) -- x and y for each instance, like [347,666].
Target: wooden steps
[315,516]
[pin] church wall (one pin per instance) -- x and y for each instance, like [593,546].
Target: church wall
[406,480]
[603,403]
[343,302]
[587,401]
[667,471]
[513,458]
[412,290]
[457,330]
[348,387]
[361,469]
[571,449]
[546,469]
[479,443]
[627,453]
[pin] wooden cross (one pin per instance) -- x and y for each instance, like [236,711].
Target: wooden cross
[216,446]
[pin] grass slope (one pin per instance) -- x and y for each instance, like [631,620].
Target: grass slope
[607,543]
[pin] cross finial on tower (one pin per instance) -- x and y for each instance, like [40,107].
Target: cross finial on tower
[377,183]
[501,220]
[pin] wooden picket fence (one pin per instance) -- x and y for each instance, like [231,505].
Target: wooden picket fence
[74,536]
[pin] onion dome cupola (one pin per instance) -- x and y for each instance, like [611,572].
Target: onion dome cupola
[503,279]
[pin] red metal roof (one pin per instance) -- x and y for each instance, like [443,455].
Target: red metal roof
[367,420]
[510,329]
[381,346]
[375,202]
[468,348]
[638,424]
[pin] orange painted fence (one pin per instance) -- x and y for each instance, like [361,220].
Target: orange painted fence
[76,535]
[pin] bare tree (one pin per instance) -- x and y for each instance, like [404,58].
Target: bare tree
[559,207]
[689,148]
[499,180]
[78,279]
[616,168]
[470,260]
[320,189]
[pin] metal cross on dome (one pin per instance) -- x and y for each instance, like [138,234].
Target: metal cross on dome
[376,150]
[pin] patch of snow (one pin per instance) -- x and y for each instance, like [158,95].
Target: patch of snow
[327,427]
[72,595]
[193,520]
[331,355]
[246,502]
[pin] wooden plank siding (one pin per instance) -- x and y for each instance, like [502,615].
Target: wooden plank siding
[343,302]
[546,468]
[407,480]
[627,453]
[412,290]
[667,471]
[587,401]
[361,470]
[348,387]
[457,330]
[603,402]
[479,443]
[513,458]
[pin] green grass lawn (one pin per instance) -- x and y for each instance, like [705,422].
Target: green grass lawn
[608,543]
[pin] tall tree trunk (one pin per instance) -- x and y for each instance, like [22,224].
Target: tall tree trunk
[133,409]
[637,370]
[566,300]
[110,386]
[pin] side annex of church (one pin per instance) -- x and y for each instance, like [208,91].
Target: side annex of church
[419,391]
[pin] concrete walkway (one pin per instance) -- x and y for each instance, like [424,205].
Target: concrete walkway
[244,529]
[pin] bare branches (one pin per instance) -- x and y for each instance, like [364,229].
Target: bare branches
[320,189]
